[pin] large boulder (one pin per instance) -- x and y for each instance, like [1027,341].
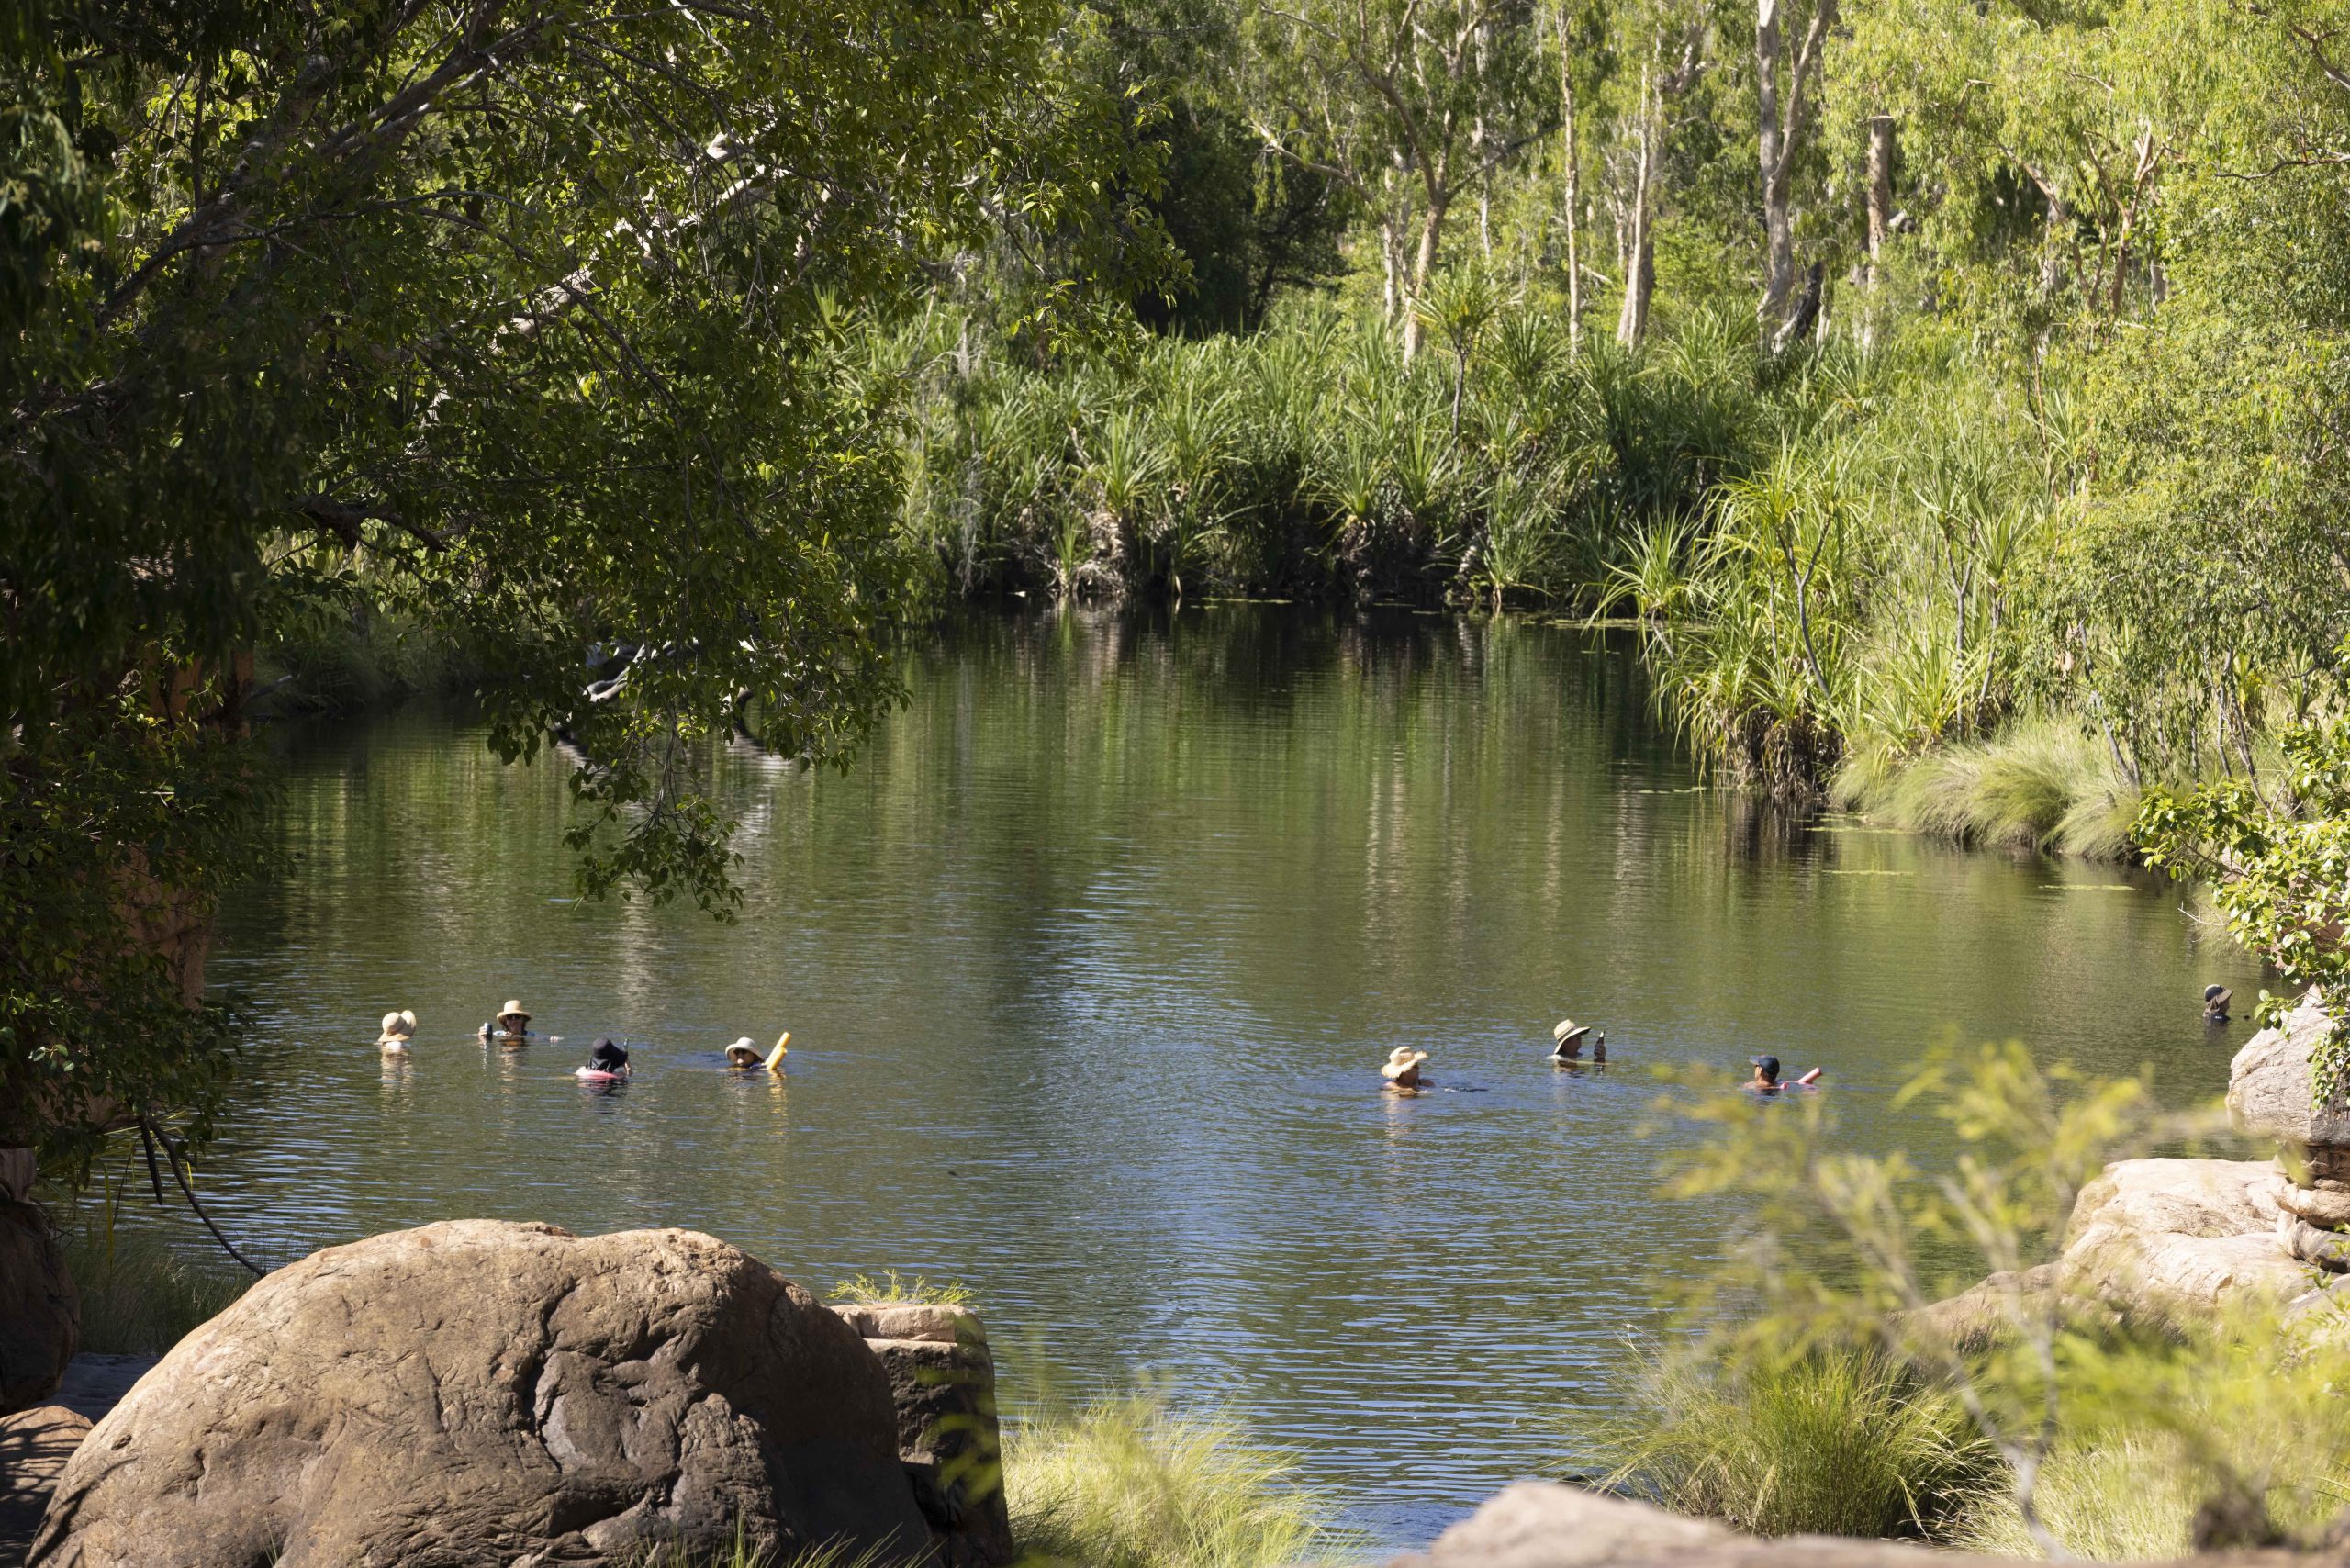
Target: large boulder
[2270,1091]
[480,1393]
[942,1380]
[41,1312]
[2159,1240]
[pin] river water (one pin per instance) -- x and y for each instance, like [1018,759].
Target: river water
[1088,964]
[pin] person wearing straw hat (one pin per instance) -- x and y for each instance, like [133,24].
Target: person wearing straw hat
[513,1023]
[1403,1068]
[1568,1038]
[2215,1003]
[744,1054]
[399,1028]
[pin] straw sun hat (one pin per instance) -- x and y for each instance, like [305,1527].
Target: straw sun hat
[398,1027]
[514,1009]
[1568,1029]
[742,1053]
[1401,1060]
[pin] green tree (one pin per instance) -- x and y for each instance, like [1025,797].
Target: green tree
[531,317]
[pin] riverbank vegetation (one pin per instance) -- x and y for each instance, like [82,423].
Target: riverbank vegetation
[1836,1387]
[1127,1482]
[1916,375]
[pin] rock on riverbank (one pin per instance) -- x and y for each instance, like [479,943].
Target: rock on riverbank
[482,1390]
[1537,1525]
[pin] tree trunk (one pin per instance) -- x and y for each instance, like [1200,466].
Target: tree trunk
[1387,252]
[1423,268]
[1880,202]
[1880,193]
[1574,192]
[1640,250]
[1778,229]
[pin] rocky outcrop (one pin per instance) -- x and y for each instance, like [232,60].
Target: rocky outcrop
[482,1392]
[41,1312]
[34,1446]
[1537,1525]
[2269,1091]
[2159,1239]
[942,1381]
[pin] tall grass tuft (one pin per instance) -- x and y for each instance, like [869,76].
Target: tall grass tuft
[742,1555]
[892,1286]
[1836,1442]
[1126,1483]
[137,1295]
[2043,784]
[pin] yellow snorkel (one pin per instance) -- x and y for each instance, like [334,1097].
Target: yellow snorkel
[775,1057]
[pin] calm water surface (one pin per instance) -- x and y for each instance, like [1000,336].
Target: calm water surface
[1088,965]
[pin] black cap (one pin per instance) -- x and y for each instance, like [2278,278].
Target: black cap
[1770,1065]
[603,1042]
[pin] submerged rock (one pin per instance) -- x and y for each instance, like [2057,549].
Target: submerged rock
[481,1392]
[40,1311]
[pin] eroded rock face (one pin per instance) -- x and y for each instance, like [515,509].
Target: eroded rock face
[2159,1239]
[2269,1085]
[41,1312]
[942,1381]
[480,1392]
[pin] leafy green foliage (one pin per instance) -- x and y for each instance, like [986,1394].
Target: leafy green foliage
[535,325]
[2280,861]
[1125,1482]
[1827,1442]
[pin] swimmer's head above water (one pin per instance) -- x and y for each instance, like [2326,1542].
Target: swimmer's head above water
[1403,1067]
[1766,1076]
[744,1055]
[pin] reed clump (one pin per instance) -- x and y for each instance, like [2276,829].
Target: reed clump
[2043,783]
[139,1295]
[1125,1482]
[1832,1443]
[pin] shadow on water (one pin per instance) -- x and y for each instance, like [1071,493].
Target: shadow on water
[1090,964]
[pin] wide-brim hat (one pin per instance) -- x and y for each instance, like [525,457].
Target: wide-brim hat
[398,1027]
[1401,1060]
[2217,994]
[1569,1031]
[742,1053]
[514,1009]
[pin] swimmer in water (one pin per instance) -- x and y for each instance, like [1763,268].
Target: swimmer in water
[513,1023]
[605,1061]
[1403,1068]
[1766,1080]
[744,1056]
[1568,1039]
[399,1028]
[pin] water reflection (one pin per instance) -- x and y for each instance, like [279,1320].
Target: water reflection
[1090,965]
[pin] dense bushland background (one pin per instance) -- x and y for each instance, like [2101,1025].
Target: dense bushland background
[1951,391]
